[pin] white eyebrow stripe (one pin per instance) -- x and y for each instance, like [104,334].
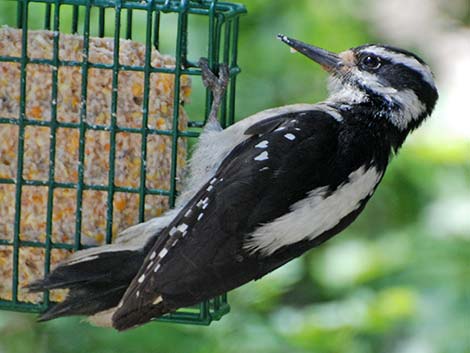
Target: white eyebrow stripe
[398,58]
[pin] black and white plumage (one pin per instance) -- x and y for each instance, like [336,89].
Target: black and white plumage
[261,192]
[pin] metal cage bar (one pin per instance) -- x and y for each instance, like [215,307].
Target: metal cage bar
[222,41]
[112,129]
[20,151]
[52,143]
[82,128]
[145,112]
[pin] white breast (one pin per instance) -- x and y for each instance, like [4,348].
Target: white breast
[315,214]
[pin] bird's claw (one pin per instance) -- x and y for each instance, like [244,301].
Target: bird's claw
[217,85]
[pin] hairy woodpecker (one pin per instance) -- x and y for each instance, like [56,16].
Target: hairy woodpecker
[260,193]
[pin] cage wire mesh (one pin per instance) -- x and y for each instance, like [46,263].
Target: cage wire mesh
[135,32]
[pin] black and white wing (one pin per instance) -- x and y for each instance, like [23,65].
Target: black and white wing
[212,245]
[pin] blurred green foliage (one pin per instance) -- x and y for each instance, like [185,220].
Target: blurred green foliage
[398,280]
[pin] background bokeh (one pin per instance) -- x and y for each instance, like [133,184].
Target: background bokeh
[396,281]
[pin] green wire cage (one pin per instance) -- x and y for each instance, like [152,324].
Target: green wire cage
[183,30]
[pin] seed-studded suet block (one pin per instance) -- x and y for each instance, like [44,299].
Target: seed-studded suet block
[70,107]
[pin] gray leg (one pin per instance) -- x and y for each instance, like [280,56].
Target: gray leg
[218,86]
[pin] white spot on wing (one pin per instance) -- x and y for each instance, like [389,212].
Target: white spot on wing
[262,144]
[163,252]
[141,278]
[200,216]
[158,300]
[264,168]
[315,214]
[214,146]
[152,255]
[290,136]
[157,267]
[262,156]
[182,227]
[204,203]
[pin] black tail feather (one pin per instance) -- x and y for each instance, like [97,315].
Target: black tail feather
[103,267]
[95,284]
[133,318]
[87,300]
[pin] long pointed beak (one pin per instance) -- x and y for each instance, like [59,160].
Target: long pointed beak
[328,60]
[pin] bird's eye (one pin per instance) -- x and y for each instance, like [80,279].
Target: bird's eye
[371,62]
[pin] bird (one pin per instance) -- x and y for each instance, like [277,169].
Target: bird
[260,193]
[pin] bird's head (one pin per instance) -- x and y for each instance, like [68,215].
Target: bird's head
[398,83]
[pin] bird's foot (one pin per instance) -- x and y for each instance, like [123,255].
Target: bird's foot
[217,85]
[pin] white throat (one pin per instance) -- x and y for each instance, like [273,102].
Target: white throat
[339,92]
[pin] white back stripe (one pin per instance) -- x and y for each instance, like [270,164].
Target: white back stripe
[315,214]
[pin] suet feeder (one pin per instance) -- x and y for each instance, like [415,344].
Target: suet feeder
[94,126]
